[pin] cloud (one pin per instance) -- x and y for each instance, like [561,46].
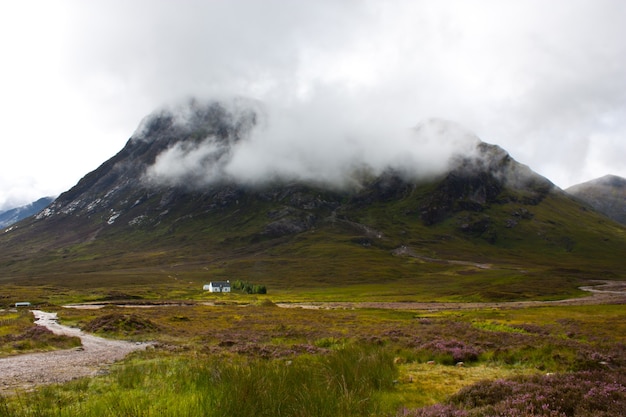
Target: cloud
[18,192]
[188,165]
[535,78]
[248,142]
[543,80]
[199,136]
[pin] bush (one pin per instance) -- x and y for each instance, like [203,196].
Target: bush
[451,351]
[248,288]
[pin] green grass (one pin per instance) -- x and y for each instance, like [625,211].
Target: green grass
[265,360]
[343,383]
[493,326]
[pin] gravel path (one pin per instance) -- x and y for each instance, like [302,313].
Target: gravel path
[28,370]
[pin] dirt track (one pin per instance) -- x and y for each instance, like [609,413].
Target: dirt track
[26,371]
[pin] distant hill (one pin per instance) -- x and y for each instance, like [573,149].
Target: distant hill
[486,223]
[14,215]
[606,194]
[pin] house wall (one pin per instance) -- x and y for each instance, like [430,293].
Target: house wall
[216,288]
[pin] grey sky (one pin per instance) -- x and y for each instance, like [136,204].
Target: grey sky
[544,80]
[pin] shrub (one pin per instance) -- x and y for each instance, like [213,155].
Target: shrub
[451,351]
[248,288]
[128,324]
[437,410]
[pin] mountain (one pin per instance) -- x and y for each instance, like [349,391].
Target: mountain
[606,194]
[486,223]
[10,216]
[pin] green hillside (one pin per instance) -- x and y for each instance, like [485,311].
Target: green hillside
[369,245]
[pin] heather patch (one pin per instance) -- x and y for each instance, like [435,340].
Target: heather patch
[598,394]
[18,334]
[450,351]
[37,338]
[128,324]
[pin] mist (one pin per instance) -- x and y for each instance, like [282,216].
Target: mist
[319,141]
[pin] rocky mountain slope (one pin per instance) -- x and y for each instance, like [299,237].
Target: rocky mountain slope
[125,222]
[14,215]
[606,194]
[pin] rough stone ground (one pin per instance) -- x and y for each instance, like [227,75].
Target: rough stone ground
[23,372]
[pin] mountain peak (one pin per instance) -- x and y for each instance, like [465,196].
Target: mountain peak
[224,120]
[606,194]
[193,142]
[612,181]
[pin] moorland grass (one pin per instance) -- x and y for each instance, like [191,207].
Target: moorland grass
[463,284]
[424,384]
[211,357]
[18,335]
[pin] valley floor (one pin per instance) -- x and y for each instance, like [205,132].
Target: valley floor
[607,292]
[29,370]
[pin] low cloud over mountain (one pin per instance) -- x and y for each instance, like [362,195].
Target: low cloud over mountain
[248,142]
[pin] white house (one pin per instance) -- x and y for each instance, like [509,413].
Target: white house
[217,286]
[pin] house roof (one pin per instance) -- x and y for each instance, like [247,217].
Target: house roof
[220,283]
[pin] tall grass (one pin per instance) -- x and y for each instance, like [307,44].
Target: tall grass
[345,382]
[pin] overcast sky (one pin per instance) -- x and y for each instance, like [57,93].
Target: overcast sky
[546,80]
